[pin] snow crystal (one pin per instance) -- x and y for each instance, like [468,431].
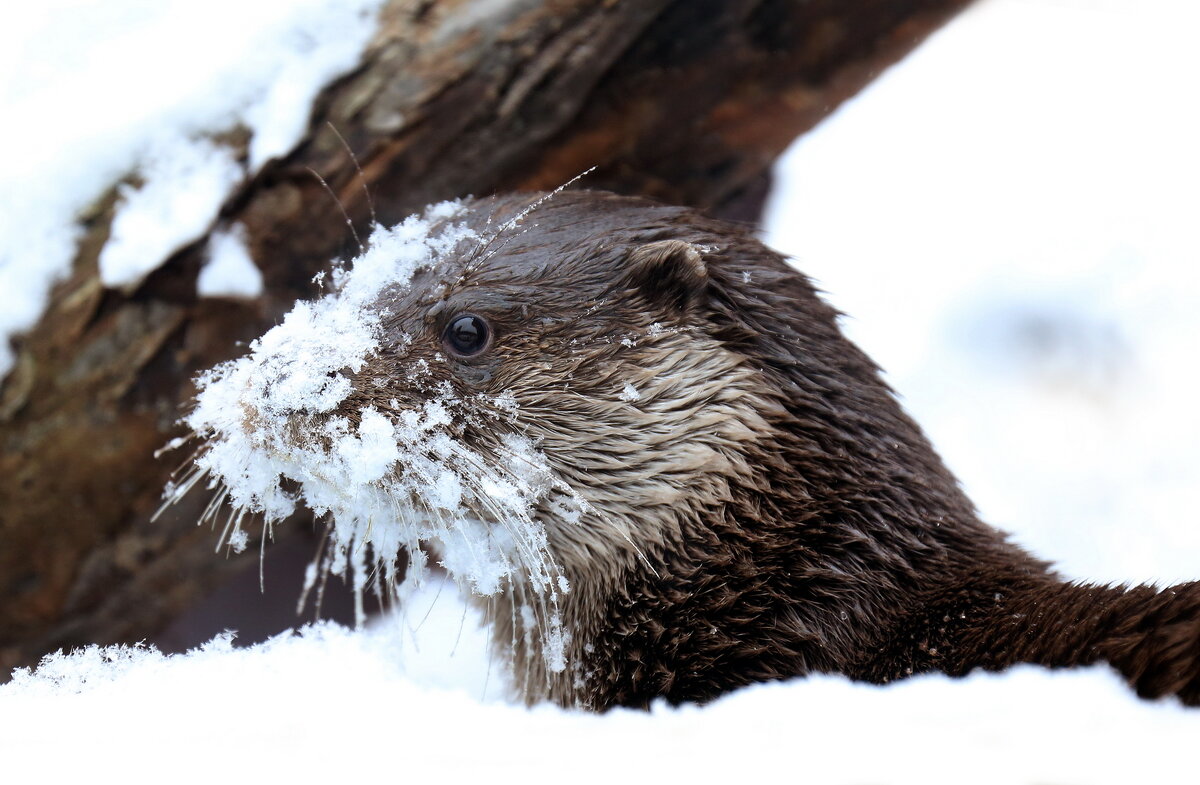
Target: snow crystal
[229,272]
[238,540]
[629,393]
[505,402]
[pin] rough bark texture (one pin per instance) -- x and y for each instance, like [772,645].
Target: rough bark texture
[688,101]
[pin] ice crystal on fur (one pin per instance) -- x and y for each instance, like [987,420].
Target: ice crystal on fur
[274,437]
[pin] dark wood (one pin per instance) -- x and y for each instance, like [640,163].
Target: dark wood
[688,101]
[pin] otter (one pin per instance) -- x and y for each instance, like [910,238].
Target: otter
[639,438]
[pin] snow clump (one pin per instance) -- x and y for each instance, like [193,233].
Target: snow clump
[390,482]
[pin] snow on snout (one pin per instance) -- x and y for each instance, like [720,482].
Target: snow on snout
[390,481]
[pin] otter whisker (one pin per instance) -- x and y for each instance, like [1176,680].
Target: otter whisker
[233,512]
[362,178]
[313,573]
[214,504]
[174,493]
[377,583]
[487,677]
[462,623]
[175,444]
[526,633]
[429,610]
[262,553]
[325,571]
[345,215]
[482,254]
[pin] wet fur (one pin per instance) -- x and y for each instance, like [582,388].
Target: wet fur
[764,509]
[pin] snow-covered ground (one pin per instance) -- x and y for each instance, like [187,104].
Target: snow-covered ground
[1009,218]
[340,706]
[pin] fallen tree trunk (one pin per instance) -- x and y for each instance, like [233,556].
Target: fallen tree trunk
[688,101]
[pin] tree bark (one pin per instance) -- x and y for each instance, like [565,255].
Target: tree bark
[687,101]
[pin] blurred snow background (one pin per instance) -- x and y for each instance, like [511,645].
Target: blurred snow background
[1009,218]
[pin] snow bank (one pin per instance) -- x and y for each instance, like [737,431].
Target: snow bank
[332,703]
[94,91]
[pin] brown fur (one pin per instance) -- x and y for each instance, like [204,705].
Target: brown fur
[763,509]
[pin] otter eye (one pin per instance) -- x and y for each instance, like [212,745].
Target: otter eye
[466,335]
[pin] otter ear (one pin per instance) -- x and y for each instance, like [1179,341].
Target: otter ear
[671,272]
